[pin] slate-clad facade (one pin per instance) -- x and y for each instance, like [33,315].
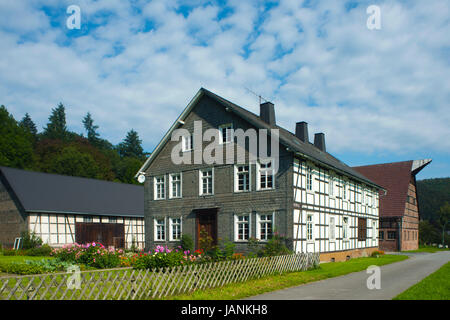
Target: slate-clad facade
[247,201]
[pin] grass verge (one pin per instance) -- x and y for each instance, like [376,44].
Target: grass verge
[276,282]
[428,249]
[434,287]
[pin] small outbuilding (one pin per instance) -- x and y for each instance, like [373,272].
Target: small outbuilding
[63,209]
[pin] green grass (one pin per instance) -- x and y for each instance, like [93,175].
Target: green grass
[7,259]
[276,282]
[434,287]
[428,249]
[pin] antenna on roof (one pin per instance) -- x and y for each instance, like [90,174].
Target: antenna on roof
[258,95]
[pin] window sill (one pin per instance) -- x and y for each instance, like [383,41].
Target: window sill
[242,191]
[266,189]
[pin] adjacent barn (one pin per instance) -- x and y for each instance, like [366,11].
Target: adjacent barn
[399,208]
[63,209]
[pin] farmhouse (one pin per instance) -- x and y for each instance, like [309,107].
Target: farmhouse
[314,200]
[63,209]
[399,209]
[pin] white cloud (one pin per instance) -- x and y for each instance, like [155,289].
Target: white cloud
[373,90]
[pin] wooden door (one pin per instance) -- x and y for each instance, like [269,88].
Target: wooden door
[108,234]
[206,222]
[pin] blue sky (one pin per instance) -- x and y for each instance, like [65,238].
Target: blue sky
[378,95]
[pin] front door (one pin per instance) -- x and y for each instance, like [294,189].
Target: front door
[206,228]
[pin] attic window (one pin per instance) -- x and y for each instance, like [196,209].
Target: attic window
[188,143]
[226,133]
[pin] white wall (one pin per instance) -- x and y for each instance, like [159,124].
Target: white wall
[59,229]
[323,205]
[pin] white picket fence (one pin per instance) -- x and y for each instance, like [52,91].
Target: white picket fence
[126,283]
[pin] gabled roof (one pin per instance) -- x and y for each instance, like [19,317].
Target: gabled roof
[395,178]
[54,193]
[288,139]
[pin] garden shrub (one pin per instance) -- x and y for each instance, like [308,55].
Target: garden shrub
[92,254]
[43,250]
[163,258]
[275,246]
[30,240]
[377,253]
[34,266]
[9,252]
[187,243]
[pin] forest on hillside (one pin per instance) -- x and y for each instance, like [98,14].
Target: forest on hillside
[434,208]
[56,149]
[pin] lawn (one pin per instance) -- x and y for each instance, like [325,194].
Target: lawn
[428,249]
[434,287]
[8,259]
[272,283]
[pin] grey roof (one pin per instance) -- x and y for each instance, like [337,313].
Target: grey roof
[54,193]
[287,138]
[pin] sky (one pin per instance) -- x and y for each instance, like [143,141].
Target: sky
[379,95]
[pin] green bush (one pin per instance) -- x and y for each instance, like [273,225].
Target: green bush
[163,258]
[30,240]
[187,243]
[91,254]
[21,268]
[9,252]
[276,246]
[34,266]
[44,250]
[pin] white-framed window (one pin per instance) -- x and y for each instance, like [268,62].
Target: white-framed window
[206,182]
[332,231]
[331,187]
[175,185]
[309,227]
[264,226]
[160,229]
[266,177]
[374,229]
[175,229]
[345,235]
[88,219]
[242,178]
[242,227]
[160,187]
[344,190]
[226,133]
[188,143]
[309,178]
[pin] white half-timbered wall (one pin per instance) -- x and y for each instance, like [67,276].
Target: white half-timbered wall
[361,201]
[59,229]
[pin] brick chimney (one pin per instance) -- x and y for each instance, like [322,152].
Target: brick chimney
[319,141]
[301,131]
[267,112]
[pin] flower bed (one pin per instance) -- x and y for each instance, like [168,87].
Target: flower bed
[94,255]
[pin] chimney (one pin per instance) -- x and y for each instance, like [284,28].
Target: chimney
[301,131]
[319,141]
[267,112]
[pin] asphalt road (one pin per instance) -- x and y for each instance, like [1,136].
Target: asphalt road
[395,278]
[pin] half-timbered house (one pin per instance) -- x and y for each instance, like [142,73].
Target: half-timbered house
[317,202]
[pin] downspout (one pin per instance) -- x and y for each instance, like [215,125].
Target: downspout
[400,234]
